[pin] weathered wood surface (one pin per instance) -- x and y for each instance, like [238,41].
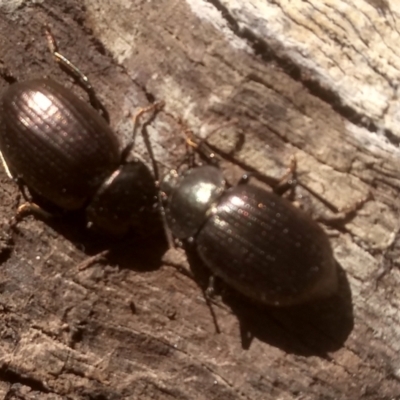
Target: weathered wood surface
[314,79]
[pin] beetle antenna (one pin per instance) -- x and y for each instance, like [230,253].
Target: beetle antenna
[160,199]
[200,146]
[155,107]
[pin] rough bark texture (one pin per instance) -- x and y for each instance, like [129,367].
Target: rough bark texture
[314,79]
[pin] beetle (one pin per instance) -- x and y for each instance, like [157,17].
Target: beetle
[256,241]
[64,150]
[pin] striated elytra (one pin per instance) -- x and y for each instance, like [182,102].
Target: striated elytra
[253,239]
[62,149]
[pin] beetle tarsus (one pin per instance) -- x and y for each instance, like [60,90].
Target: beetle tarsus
[154,108]
[212,312]
[288,180]
[26,209]
[343,216]
[279,185]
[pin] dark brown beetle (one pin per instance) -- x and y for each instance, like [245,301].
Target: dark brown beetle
[62,149]
[253,239]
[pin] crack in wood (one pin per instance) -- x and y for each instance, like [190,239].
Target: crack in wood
[278,55]
[14,377]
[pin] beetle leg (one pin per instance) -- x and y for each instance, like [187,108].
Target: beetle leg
[167,231]
[388,259]
[386,265]
[76,73]
[22,210]
[288,180]
[208,295]
[212,312]
[160,204]
[5,166]
[202,141]
[211,288]
[20,183]
[25,209]
[7,75]
[341,217]
[200,146]
[154,108]
[279,185]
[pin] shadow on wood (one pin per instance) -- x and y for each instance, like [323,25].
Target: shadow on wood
[314,328]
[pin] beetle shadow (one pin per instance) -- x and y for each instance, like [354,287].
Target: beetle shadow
[314,328]
[135,250]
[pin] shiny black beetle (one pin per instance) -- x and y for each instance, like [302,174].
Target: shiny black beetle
[254,240]
[62,149]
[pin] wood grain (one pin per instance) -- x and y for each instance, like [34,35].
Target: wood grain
[318,80]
